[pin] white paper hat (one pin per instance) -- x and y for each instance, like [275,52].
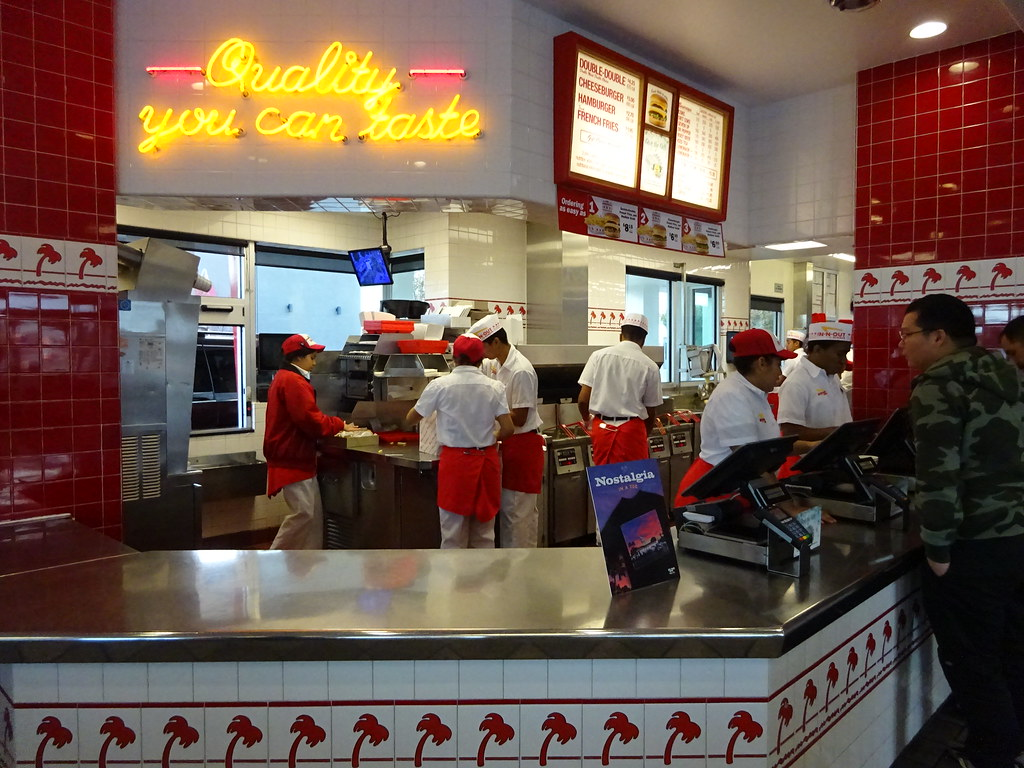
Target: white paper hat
[634,319]
[796,335]
[485,327]
[821,329]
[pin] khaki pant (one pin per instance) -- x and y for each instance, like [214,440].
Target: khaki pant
[519,519]
[304,527]
[465,531]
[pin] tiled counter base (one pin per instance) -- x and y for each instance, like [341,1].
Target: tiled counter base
[851,695]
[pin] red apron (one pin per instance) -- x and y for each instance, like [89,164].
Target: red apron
[615,443]
[697,470]
[469,481]
[522,462]
[786,470]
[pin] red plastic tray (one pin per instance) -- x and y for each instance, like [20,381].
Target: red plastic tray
[398,437]
[422,346]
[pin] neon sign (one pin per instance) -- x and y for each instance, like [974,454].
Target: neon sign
[340,72]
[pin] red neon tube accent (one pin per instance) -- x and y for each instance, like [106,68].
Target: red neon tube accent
[437,73]
[175,70]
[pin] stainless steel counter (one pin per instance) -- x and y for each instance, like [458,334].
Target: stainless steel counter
[48,542]
[430,604]
[408,456]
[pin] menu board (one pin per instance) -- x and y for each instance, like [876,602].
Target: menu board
[606,121]
[626,132]
[700,140]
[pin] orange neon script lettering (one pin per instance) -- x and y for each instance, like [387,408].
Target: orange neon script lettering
[188,123]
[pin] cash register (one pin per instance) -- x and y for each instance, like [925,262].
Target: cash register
[840,475]
[741,518]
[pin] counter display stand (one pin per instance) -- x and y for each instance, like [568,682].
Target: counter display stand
[507,657]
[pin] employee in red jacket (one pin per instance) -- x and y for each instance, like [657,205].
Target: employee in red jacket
[293,426]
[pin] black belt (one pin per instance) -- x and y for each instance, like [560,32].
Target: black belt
[613,418]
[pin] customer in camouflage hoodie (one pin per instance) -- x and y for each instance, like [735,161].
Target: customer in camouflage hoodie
[968,417]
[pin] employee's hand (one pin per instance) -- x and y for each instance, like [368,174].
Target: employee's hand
[939,569]
[350,427]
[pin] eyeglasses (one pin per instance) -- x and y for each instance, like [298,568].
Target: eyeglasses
[905,334]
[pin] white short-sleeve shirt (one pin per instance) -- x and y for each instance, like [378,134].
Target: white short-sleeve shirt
[466,402]
[788,366]
[811,398]
[736,414]
[520,381]
[624,381]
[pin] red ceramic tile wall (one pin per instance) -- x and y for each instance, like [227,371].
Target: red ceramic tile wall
[940,177]
[59,398]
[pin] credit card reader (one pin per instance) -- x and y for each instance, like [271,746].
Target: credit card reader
[767,494]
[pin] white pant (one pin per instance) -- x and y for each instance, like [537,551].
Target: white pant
[465,531]
[304,527]
[519,519]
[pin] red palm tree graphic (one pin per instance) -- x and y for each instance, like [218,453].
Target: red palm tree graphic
[558,728]
[51,729]
[243,730]
[179,730]
[7,250]
[785,715]
[681,725]
[305,729]
[434,730]
[48,254]
[593,316]
[619,727]
[493,726]
[964,272]
[898,277]
[117,732]
[497,309]
[746,727]
[851,663]
[869,651]
[886,636]
[833,679]
[621,317]
[522,310]
[867,279]
[999,270]
[931,275]
[509,309]
[89,259]
[603,317]
[810,694]
[368,728]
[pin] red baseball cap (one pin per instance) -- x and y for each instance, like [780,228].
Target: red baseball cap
[298,342]
[756,342]
[469,346]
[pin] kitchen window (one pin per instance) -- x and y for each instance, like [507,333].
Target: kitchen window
[680,315]
[766,313]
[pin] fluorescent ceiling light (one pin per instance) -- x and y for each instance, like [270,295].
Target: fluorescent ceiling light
[928,29]
[799,245]
[844,256]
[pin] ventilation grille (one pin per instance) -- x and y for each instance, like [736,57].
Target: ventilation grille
[142,461]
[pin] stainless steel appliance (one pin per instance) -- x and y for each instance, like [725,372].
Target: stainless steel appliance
[568,498]
[661,451]
[158,325]
[680,438]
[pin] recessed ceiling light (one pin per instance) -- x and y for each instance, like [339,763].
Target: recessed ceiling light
[928,29]
[963,67]
[799,245]
[844,256]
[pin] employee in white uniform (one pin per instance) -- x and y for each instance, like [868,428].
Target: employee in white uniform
[467,404]
[812,402]
[522,453]
[738,411]
[794,343]
[619,387]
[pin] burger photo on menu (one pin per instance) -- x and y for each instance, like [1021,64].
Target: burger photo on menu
[657,110]
[595,224]
[612,228]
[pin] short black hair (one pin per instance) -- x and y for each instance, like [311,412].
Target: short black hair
[1014,330]
[498,335]
[291,357]
[825,343]
[463,360]
[942,312]
[634,333]
[745,364]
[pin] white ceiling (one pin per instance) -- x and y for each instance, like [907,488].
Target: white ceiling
[757,51]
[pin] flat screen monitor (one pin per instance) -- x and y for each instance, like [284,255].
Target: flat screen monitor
[269,356]
[371,266]
[849,438]
[742,465]
[893,446]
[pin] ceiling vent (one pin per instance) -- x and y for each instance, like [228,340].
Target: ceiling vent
[853,5]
